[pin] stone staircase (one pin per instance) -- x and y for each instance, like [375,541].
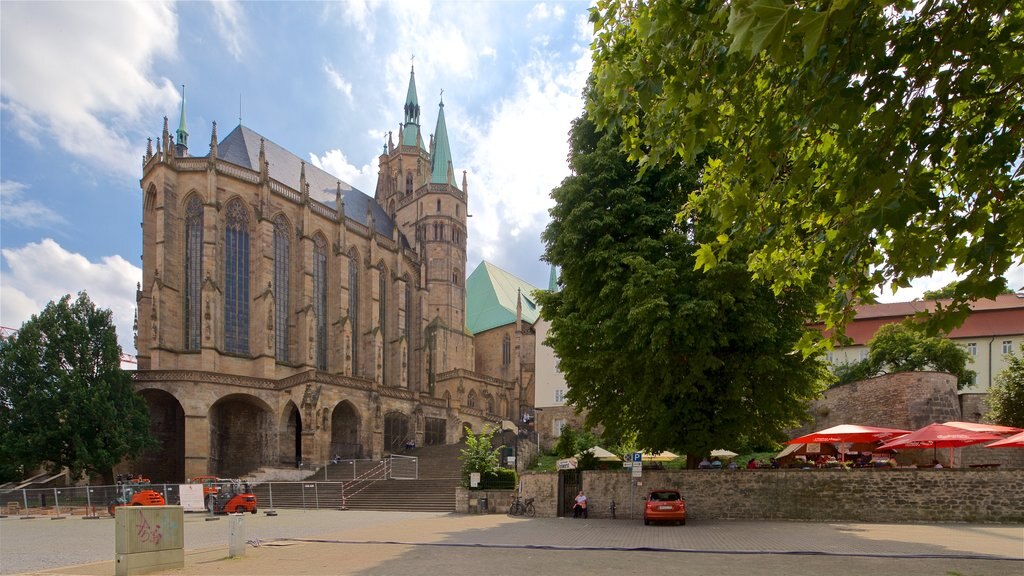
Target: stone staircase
[438,475]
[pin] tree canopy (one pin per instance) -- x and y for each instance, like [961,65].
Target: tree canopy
[688,360]
[64,399]
[1006,398]
[902,348]
[479,455]
[949,291]
[870,143]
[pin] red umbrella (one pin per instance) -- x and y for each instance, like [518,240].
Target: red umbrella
[940,436]
[848,434]
[979,427]
[1015,441]
[851,433]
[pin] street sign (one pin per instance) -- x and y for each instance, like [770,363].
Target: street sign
[637,471]
[566,464]
[638,456]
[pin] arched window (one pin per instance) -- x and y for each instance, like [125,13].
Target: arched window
[490,404]
[455,276]
[236,279]
[471,400]
[506,351]
[438,204]
[193,272]
[408,182]
[282,261]
[353,306]
[320,299]
[382,313]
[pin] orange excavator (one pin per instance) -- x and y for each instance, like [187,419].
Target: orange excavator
[134,491]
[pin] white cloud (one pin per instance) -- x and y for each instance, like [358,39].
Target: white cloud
[80,73]
[27,287]
[1014,280]
[339,83]
[542,11]
[230,25]
[358,12]
[519,155]
[334,162]
[24,212]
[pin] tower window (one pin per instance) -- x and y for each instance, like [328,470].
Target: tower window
[408,183]
[506,351]
[438,204]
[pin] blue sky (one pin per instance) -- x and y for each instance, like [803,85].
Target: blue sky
[83,84]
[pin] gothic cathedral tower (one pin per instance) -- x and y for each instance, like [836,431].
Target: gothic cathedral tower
[416,186]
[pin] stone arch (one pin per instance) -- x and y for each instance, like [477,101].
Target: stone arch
[471,400]
[166,462]
[241,429]
[396,431]
[447,399]
[346,424]
[289,434]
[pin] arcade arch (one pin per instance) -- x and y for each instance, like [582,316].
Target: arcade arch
[345,427]
[241,427]
[165,462]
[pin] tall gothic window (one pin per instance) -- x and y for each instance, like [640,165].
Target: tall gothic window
[506,351]
[408,183]
[320,299]
[281,285]
[408,324]
[383,314]
[353,306]
[193,272]
[236,279]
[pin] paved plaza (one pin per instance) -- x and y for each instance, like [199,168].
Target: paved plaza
[351,542]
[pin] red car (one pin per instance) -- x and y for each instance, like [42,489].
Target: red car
[664,506]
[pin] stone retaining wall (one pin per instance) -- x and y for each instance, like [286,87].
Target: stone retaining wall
[869,495]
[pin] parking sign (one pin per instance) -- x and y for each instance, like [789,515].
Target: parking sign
[637,457]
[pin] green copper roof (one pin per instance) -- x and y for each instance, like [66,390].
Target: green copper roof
[442,151]
[411,130]
[182,130]
[553,280]
[491,299]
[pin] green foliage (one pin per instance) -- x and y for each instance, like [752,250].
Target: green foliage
[479,455]
[904,348]
[686,360]
[500,479]
[1006,397]
[64,399]
[949,291]
[866,143]
[573,441]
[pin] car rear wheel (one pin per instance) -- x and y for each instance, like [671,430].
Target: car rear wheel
[647,522]
[682,522]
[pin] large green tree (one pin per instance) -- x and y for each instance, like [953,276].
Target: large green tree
[64,399]
[1006,398]
[869,142]
[899,347]
[688,360]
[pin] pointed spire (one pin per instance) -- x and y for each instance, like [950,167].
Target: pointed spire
[553,279]
[166,137]
[339,204]
[181,143]
[214,153]
[465,183]
[412,103]
[441,156]
[149,149]
[303,187]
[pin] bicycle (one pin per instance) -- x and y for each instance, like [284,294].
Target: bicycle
[522,507]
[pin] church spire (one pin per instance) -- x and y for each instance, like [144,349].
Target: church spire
[181,143]
[441,155]
[412,104]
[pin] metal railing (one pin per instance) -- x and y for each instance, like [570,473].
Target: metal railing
[74,500]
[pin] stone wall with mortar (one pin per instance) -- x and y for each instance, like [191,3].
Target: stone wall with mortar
[868,495]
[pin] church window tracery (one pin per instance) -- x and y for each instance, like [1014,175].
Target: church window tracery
[236,279]
[320,299]
[193,272]
[281,286]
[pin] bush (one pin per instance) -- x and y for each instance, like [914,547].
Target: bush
[500,479]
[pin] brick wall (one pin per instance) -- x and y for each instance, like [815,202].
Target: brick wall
[902,495]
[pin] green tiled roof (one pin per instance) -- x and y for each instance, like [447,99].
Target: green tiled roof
[442,152]
[491,299]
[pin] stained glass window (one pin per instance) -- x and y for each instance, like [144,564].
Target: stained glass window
[320,299]
[193,272]
[236,279]
[353,306]
[282,242]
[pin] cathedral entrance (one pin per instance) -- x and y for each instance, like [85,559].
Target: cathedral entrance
[240,431]
[345,432]
[290,436]
[396,431]
[165,462]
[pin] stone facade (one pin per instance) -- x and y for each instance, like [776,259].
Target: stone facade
[868,495]
[286,317]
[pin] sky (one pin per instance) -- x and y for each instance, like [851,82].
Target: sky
[84,84]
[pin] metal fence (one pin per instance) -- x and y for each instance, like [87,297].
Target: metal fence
[78,500]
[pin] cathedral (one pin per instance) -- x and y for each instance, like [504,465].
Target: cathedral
[287,317]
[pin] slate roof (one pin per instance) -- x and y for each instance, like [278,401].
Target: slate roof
[242,147]
[491,299]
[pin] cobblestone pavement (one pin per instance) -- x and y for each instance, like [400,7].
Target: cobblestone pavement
[351,542]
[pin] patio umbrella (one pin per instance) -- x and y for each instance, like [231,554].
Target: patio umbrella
[1015,441]
[979,427]
[660,457]
[940,436]
[848,434]
[601,454]
[723,453]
